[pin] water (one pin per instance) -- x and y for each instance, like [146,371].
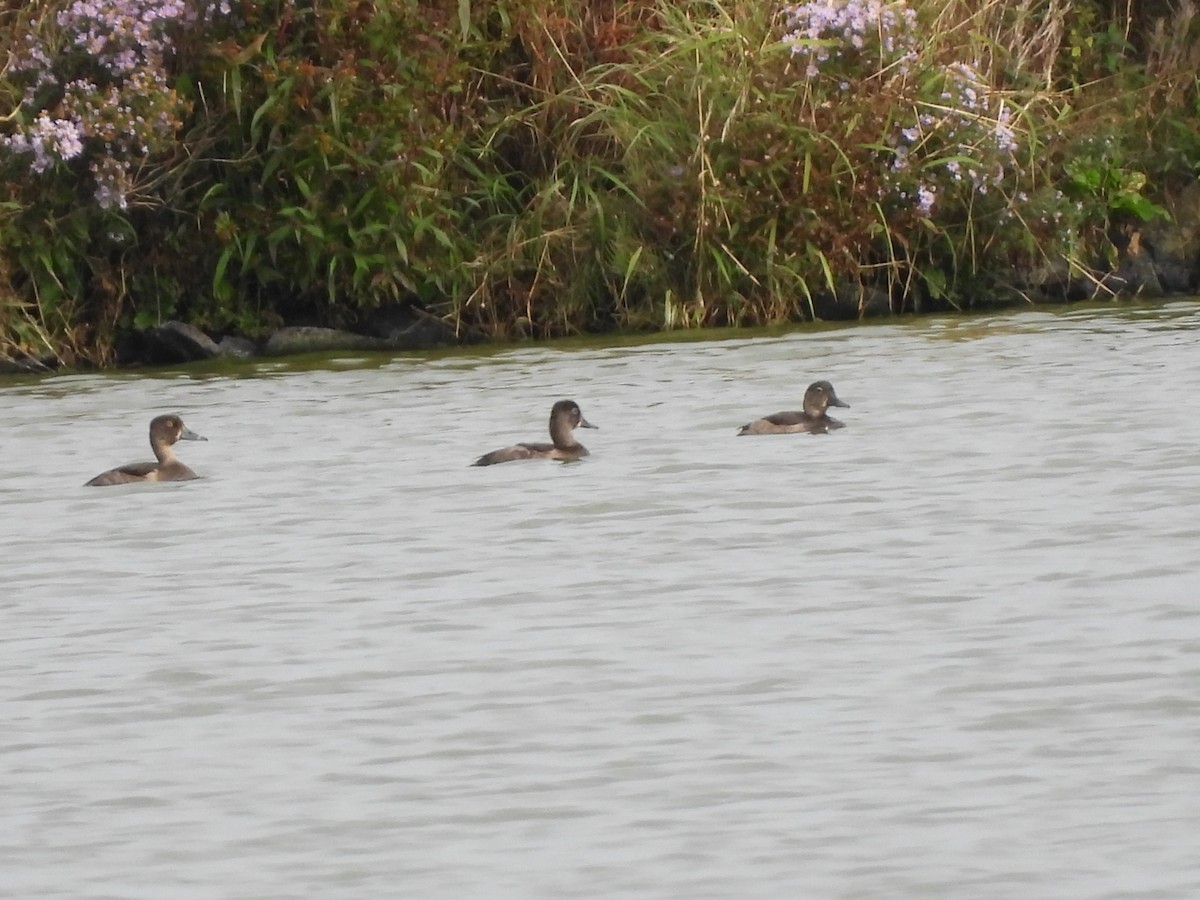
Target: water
[948,651]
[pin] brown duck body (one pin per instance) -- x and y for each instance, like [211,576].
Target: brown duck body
[811,420]
[165,431]
[565,417]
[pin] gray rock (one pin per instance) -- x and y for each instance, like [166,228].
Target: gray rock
[177,342]
[1052,281]
[1136,275]
[1172,244]
[852,301]
[409,328]
[237,347]
[296,339]
[23,364]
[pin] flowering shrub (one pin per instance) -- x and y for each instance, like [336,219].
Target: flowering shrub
[964,133]
[958,151]
[98,89]
[963,140]
[852,32]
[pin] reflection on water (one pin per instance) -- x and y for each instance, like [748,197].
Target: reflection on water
[947,651]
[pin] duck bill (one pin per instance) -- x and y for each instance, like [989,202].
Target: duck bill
[834,401]
[188,435]
[584,423]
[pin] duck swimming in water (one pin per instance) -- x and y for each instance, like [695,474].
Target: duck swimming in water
[164,432]
[812,419]
[565,417]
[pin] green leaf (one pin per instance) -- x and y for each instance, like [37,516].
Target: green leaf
[464,18]
[826,270]
[935,281]
[265,108]
[221,288]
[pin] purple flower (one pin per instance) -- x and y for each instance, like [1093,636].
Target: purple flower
[1003,134]
[926,195]
[49,140]
[112,184]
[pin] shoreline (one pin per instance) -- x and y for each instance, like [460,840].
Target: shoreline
[305,342]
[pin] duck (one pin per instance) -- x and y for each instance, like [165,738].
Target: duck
[819,397]
[165,431]
[565,417]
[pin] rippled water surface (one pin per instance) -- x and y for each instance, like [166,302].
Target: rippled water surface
[952,650]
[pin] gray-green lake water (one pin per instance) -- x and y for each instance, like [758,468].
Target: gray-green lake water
[952,650]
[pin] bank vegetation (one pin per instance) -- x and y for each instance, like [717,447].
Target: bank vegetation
[547,167]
